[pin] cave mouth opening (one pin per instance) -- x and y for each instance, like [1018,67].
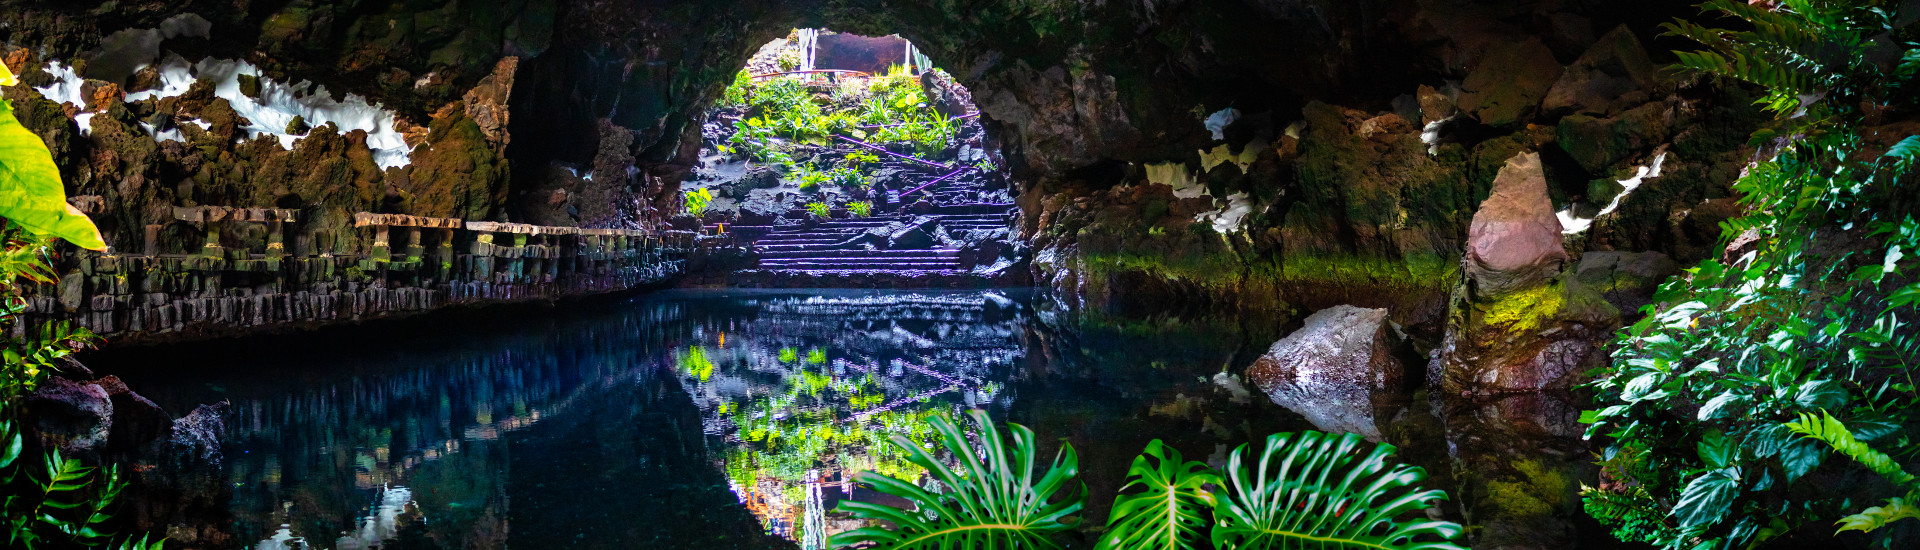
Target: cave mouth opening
[837,159]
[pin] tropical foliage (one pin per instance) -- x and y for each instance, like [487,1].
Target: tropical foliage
[860,209]
[998,497]
[698,201]
[1317,489]
[1725,406]
[779,112]
[1305,490]
[50,501]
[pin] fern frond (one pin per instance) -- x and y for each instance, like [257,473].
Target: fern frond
[1827,429]
[1871,519]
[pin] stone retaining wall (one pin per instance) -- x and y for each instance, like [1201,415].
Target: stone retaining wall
[230,288]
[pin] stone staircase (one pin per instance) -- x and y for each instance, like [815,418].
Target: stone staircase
[800,252]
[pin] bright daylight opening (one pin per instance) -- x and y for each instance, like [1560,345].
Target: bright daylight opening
[833,155]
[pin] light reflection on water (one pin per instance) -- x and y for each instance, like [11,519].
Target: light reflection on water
[732,419]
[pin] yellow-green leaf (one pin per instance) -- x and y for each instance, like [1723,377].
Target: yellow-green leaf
[31,194]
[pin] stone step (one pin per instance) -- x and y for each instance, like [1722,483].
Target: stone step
[859,253]
[881,265]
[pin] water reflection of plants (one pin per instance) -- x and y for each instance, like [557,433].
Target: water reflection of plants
[799,409]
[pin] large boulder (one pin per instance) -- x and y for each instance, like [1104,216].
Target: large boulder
[944,94]
[1614,71]
[1515,240]
[1509,82]
[1519,320]
[1335,370]
[74,417]
[137,421]
[1598,143]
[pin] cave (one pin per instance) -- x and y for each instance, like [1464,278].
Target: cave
[818,274]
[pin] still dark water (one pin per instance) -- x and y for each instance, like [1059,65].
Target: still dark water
[728,419]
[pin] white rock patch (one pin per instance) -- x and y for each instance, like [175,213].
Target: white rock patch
[279,103]
[1231,216]
[1570,224]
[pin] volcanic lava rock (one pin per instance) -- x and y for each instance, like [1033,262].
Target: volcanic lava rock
[1334,370]
[75,417]
[1519,320]
[137,421]
[1508,84]
[1626,279]
[1613,71]
[1514,241]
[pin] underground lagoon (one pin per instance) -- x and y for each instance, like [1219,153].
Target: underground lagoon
[1390,274]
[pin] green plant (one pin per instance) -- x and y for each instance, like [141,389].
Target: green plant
[1717,402]
[66,503]
[1317,488]
[698,201]
[1823,427]
[997,498]
[1812,56]
[31,194]
[860,209]
[861,159]
[789,355]
[738,91]
[1309,489]
[1306,490]
[788,59]
[810,179]
[817,356]
[1172,508]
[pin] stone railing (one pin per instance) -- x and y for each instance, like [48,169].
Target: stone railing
[402,264]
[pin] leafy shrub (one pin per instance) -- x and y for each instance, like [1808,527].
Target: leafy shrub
[789,355]
[860,209]
[64,503]
[698,201]
[818,208]
[1716,404]
[862,158]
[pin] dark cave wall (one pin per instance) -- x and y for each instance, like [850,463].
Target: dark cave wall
[1347,207]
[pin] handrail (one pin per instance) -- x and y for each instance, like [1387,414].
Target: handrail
[812,71]
[884,150]
[936,180]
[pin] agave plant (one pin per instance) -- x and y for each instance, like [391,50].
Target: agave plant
[997,498]
[1316,490]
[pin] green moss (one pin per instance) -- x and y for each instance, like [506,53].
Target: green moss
[1526,310]
[1535,492]
[1413,272]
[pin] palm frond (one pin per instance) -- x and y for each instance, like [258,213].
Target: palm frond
[997,498]
[1170,510]
[1316,490]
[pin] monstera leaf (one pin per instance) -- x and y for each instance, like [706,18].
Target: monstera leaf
[1316,490]
[997,498]
[31,194]
[1170,511]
